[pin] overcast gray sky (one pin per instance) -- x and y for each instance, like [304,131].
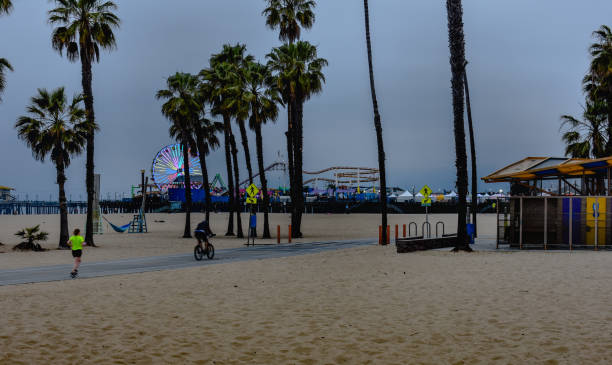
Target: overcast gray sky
[527,59]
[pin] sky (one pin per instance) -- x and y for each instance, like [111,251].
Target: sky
[526,62]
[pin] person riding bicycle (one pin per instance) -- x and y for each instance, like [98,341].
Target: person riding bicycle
[202,232]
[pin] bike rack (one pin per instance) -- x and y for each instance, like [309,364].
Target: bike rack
[437,224]
[416,229]
[428,229]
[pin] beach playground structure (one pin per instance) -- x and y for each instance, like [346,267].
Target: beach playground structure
[572,213]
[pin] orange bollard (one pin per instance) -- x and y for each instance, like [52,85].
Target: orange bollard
[290,233]
[404,231]
[278,235]
[380,235]
[388,233]
[396,233]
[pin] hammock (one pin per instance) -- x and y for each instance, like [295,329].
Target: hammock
[119,229]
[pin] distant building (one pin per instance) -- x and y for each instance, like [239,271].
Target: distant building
[5,194]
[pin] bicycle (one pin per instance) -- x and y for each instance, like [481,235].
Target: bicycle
[208,250]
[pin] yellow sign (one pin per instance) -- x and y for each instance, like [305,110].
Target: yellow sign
[425,191]
[252,190]
[426,201]
[251,200]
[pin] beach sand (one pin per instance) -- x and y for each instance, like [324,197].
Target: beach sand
[365,305]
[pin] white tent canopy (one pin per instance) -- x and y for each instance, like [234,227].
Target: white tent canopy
[406,196]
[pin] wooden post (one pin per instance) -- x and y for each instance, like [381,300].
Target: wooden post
[388,233]
[396,233]
[278,234]
[290,233]
[380,235]
[404,231]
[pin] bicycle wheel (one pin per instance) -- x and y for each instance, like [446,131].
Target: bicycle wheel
[210,253]
[198,252]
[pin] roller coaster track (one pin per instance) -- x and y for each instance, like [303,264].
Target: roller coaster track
[277,166]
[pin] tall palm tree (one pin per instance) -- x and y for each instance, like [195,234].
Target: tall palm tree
[456,44]
[206,141]
[183,110]
[586,138]
[290,16]
[4,65]
[378,128]
[83,28]
[298,75]
[237,201]
[5,6]
[58,129]
[474,202]
[222,82]
[598,82]
[262,99]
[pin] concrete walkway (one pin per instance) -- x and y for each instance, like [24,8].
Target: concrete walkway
[170,262]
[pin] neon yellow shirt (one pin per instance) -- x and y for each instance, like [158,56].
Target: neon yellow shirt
[77,242]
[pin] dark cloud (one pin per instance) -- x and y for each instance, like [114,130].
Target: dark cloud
[526,62]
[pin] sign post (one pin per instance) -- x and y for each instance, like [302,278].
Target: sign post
[251,199]
[426,201]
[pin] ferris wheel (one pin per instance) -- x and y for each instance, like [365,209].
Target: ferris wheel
[167,168]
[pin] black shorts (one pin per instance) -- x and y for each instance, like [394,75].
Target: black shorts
[77,253]
[201,236]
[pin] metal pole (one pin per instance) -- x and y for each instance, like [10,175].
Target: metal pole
[571,216]
[608,185]
[545,223]
[521,223]
[497,225]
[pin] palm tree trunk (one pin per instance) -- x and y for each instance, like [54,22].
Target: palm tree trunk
[205,182]
[245,146]
[186,172]
[227,133]
[609,105]
[378,128]
[86,80]
[290,161]
[262,178]
[457,61]
[474,205]
[298,146]
[61,180]
[239,232]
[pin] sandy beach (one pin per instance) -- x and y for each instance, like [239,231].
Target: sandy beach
[366,305]
[363,305]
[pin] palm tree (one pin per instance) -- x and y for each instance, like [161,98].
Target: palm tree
[222,82]
[456,44]
[4,64]
[57,129]
[83,28]
[474,203]
[298,75]
[206,140]
[586,138]
[262,99]
[239,233]
[5,6]
[290,16]
[598,82]
[378,128]
[183,110]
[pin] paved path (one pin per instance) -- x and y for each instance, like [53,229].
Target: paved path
[170,262]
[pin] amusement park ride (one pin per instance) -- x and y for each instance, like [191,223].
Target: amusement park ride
[167,172]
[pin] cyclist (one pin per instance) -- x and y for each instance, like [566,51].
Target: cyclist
[202,232]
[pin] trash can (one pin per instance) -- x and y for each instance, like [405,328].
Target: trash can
[470,232]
